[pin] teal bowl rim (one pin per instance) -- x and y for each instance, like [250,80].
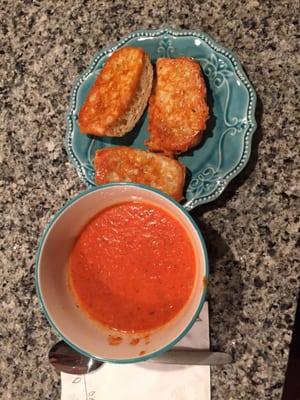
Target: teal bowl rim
[43,306]
[167,30]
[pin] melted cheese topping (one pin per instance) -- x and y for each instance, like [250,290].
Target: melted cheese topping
[113,91]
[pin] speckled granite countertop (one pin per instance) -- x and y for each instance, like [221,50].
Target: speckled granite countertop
[251,230]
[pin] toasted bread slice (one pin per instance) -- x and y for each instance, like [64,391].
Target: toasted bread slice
[116,164]
[120,94]
[177,109]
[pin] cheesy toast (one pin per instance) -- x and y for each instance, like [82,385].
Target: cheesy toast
[177,108]
[119,95]
[116,164]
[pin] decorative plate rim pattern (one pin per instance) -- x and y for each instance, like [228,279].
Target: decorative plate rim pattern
[251,122]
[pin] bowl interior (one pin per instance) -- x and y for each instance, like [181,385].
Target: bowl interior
[59,305]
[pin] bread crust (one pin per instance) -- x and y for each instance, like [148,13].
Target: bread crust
[121,163]
[119,95]
[177,111]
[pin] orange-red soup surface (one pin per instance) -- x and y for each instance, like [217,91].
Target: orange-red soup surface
[132,267]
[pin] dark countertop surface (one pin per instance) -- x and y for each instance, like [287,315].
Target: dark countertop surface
[251,230]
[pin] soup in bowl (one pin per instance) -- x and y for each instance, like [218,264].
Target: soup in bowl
[121,272]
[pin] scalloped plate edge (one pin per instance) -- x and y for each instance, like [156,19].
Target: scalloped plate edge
[222,184]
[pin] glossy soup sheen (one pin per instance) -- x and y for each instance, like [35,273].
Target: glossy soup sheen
[132,267]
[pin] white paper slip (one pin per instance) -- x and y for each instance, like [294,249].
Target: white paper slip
[145,380]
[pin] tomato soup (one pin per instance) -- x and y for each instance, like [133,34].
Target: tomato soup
[132,267]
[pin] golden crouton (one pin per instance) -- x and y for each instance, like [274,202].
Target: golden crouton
[116,164]
[120,94]
[177,109]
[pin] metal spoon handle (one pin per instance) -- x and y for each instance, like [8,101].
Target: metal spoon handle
[65,359]
[192,357]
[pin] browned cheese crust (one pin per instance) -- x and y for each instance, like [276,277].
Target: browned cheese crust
[117,164]
[177,109]
[104,112]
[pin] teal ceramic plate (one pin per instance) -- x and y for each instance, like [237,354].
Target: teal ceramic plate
[226,144]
